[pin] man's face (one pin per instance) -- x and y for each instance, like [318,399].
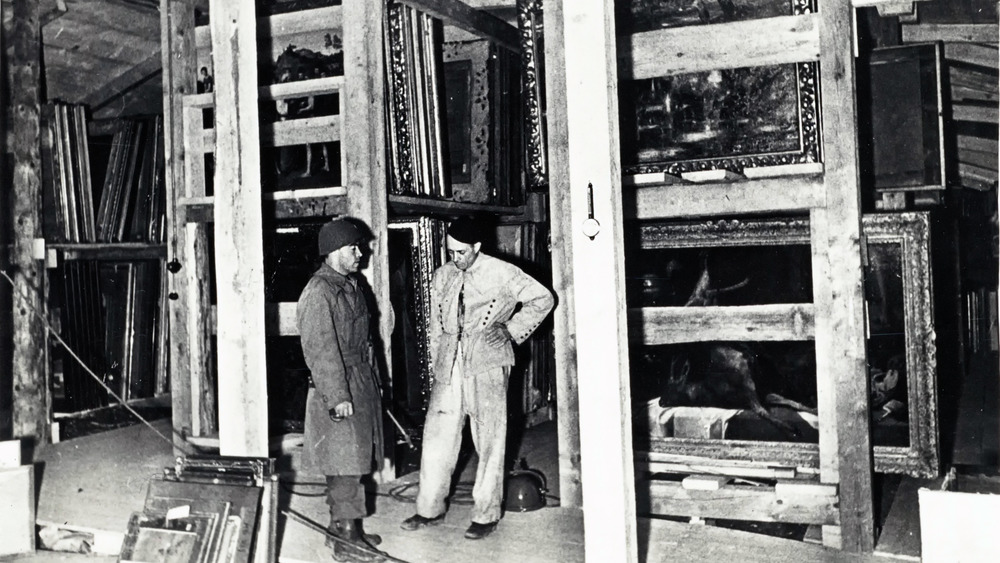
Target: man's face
[346,259]
[462,254]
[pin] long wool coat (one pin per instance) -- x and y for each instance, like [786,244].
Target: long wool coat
[333,321]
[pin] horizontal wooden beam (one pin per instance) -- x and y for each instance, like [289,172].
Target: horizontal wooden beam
[971,78]
[772,41]
[278,205]
[971,143]
[965,94]
[478,22]
[979,176]
[327,19]
[672,325]
[772,195]
[111,251]
[296,89]
[740,502]
[972,53]
[415,204]
[969,33]
[308,130]
[969,112]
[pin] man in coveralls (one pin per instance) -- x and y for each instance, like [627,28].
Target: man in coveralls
[343,422]
[473,328]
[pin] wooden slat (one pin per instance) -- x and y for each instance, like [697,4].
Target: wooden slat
[966,77]
[32,403]
[201,209]
[153,65]
[965,94]
[322,129]
[591,97]
[736,502]
[968,112]
[982,159]
[279,26]
[751,323]
[561,239]
[239,255]
[177,22]
[772,41]
[413,204]
[973,53]
[845,457]
[477,22]
[971,171]
[979,144]
[297,89]
[968,33]
[693,200]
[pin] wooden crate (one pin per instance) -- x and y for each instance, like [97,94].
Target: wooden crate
[958,524]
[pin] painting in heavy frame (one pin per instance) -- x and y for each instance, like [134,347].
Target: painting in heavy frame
[731,118]
[901,343]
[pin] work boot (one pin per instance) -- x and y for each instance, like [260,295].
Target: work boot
[353,549]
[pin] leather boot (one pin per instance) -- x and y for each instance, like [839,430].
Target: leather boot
[350,551]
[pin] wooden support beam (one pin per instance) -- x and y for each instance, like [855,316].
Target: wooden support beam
[845,439]
[477,22]
[107,93]
[32,401]
[593,186]
[192,393]
[969,112]
[321,129]
[797,193]
[740,502]
[239,254]
[772,41]
[561,233]
[751,323]
[967,33]
[980,54]
[970,78]
[365,176]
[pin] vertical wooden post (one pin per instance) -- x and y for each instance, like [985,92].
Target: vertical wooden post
[591,94]
[561,228]
[239,254]
[363,147]
[31,397]
[846,457]
[191,383]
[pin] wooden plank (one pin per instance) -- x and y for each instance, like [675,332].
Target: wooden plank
[594,186]
[965,94]
[968,142]
[797,193]
[679,50]
[967,33]
[736,502]
[414,204]
[978,173]
[561,239]
[200,209]
[32,403]
[900,537]
[192,396]
[973,53]
[751,323]
[845,456]
[985,160]
[17,497]
[323,129]
[478,22]
[152,65]
[364,159]
[970,78]
[239,254]
[969,112]
[297,89]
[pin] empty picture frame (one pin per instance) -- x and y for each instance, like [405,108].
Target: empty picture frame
[899,298]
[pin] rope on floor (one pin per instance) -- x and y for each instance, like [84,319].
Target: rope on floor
[183,445]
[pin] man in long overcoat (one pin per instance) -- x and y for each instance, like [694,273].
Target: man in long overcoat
[480,307]
[343,423]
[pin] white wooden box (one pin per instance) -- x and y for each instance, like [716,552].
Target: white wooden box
[958,526]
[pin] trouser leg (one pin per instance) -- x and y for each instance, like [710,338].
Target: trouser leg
[441,442]
[345,494]
[488,423]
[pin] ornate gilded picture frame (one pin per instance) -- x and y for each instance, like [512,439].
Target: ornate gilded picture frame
[901,341]
[727,119]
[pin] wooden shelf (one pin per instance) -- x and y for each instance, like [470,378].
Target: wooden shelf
[111,250]
[286,204]
[403,205]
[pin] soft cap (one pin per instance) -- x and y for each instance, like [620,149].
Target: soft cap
[337,234]
[466,230]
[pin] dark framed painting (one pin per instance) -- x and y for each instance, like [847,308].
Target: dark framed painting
[726,119]
[415,251]
[682,406]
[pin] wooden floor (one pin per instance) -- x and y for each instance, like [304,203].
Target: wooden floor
[94,483]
